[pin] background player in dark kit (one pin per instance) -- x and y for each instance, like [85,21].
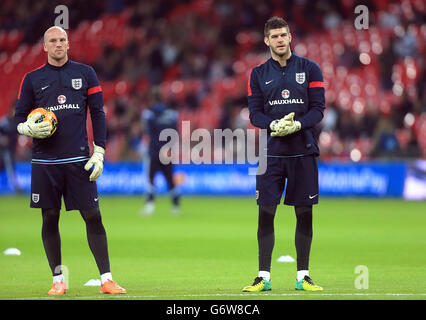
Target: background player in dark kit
[61,163]
[286,97]
[155,119]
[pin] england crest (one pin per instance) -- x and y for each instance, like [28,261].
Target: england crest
[35,197]
[76,83]
[300,78]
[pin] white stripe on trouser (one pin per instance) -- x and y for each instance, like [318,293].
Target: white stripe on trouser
[60,161]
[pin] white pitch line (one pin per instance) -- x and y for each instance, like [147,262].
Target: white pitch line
[124,296]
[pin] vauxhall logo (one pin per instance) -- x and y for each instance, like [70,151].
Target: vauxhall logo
[286,95]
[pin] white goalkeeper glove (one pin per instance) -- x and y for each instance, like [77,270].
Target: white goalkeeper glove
[279,124]
[96,161]
[286,126]
[32,129]
[274,125]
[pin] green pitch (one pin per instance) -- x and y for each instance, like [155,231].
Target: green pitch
[209,251]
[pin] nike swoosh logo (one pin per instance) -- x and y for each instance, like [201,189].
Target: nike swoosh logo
[44,87]
[96,199]
[268,82]
[311,197]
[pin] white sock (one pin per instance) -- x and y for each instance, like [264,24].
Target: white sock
[105,277]
[265,275]
[59,278]
[301,274]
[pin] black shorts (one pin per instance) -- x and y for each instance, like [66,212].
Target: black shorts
[154,165]
[301,174]
[49,182]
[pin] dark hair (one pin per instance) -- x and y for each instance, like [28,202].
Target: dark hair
[274,23]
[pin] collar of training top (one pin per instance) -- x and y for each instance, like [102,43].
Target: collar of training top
[56,67]
[277,65]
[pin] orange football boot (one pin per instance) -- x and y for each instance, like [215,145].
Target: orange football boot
[112,287]
[58,288]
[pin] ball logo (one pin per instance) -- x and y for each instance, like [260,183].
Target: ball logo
[62,99]
[285,93]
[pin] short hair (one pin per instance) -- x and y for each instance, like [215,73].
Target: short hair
[274,23]
[54,27]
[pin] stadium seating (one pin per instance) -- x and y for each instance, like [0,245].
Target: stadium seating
[350,87]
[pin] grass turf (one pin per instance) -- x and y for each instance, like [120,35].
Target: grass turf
[209,251]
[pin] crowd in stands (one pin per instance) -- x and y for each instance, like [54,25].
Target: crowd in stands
[200,52]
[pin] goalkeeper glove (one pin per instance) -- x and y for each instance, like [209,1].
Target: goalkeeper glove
[286,126]
[32,129]
[274,125]
[278,124]
[96,161]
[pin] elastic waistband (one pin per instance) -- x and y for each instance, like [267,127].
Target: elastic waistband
[290,156]
[60,161]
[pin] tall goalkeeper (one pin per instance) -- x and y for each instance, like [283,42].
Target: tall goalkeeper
[286,97]
[61,165]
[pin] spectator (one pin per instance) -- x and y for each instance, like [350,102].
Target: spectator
[405,44]
[412,148]
[8,140]
[385,142]
[349,57]
[387,59]
[346,127]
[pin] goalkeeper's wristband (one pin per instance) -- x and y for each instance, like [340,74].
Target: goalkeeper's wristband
[98,149]
[298,125]
[22,129]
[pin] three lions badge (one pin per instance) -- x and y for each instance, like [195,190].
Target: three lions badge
[77,83]
[300,77]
